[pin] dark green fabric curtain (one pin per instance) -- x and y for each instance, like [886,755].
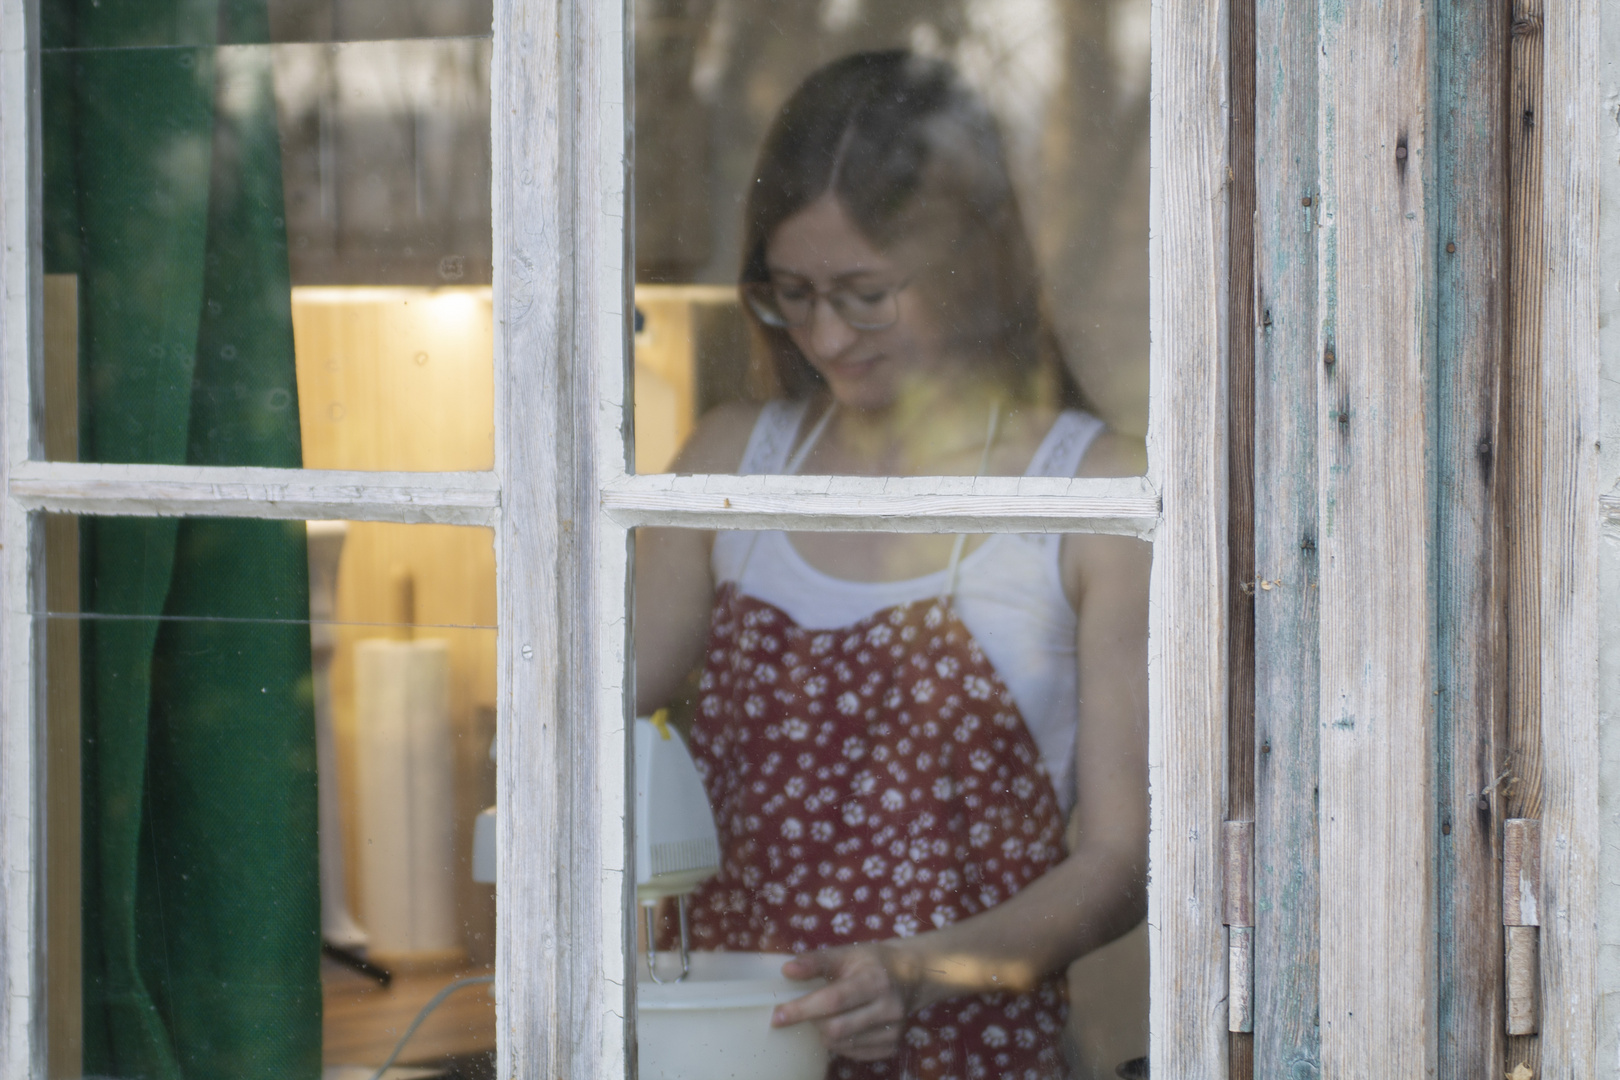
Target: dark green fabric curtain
[163,195]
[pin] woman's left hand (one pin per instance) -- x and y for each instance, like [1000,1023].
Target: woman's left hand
[861,1012]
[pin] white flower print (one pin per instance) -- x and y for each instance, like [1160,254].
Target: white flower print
[922,691]
[944,916]
[774,892]
[849,703]
[949,880]
[893,799]
[905,926]
[754,706]
[947,667]
[874,922]
[792,828]
[1025,1037]
[978,687]
[795,787]
[903,874]
[995,1035]
[965,729]
[816,685]
[1023,787]
[830,897]
[843,923]
[879,635]
[854,813]
[979,834]
[943,789]
[980,759]
[875,866]
[795,729]
[917,1035]
[821,831]
[821,644]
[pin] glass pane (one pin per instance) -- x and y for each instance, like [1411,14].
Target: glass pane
[266,245]
[928,207]
[269,745]
[918,764]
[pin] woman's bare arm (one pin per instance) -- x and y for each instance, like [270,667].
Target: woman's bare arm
[1093,896]
[674,586]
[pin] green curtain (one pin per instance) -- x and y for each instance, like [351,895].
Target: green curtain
[163,194]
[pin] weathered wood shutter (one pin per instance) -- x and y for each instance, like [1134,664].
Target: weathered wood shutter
[1423,540]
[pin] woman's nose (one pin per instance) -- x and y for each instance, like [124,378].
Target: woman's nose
[829,333]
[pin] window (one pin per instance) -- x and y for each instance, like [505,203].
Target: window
[1380,374]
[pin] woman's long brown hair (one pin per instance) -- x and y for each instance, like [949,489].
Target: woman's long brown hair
[914,157]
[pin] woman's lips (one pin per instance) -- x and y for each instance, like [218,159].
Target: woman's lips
[853,369]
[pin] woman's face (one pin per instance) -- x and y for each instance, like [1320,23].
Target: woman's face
[820,249]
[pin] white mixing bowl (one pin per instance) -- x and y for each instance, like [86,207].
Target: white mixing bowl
[716,1025]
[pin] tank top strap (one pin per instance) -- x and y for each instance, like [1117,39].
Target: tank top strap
[1065,444]
[771,442]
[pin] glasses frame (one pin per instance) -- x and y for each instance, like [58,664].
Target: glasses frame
[752,292]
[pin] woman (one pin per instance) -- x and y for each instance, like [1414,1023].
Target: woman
[891,727]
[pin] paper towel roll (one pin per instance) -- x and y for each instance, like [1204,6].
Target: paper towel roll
[406,780]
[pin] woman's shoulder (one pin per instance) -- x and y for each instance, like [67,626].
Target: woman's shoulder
[1114,453]
[718,442]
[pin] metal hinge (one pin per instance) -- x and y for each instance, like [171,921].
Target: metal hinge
[1521,922]
[1237,860]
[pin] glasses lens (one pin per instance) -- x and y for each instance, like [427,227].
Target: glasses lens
[761,298]
[866,308]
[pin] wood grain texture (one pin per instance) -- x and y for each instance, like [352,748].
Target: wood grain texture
[1377,991]
[1237,857]
[1608,269]
[21,354]
[1124,506]
[1469,270]
[175,490]
[1521,442]
[1521,872]
[1240,982]
[560,1014]
[1286,1040]
[1187,456]
[1240,330]
[1523,977]
[1571,150]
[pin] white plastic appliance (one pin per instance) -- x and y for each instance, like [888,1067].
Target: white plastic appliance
[677,847]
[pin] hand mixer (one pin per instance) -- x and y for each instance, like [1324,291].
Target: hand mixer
[677,847]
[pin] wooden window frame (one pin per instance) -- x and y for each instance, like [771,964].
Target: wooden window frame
[562,505]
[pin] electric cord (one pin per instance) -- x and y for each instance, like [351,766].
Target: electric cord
[438,999]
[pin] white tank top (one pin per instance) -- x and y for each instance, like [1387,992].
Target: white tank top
[1009,590]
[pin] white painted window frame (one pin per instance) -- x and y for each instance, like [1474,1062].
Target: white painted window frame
[562,507]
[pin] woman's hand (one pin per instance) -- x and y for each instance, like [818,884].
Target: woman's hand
[861,1012]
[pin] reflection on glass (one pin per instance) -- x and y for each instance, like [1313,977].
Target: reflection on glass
[220,212]
[1002,180]
[925,761]
[268,746]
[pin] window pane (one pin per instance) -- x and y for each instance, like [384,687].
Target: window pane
[268,253]
[914,231]
[268,747]
[928,756]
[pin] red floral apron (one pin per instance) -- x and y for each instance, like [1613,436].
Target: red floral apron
[871,782]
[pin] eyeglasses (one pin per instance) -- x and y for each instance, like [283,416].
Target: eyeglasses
[790,303]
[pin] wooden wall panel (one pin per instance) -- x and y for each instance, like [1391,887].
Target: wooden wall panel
[1571,150]
[1377,995]
[1287,701]
[1469,266]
